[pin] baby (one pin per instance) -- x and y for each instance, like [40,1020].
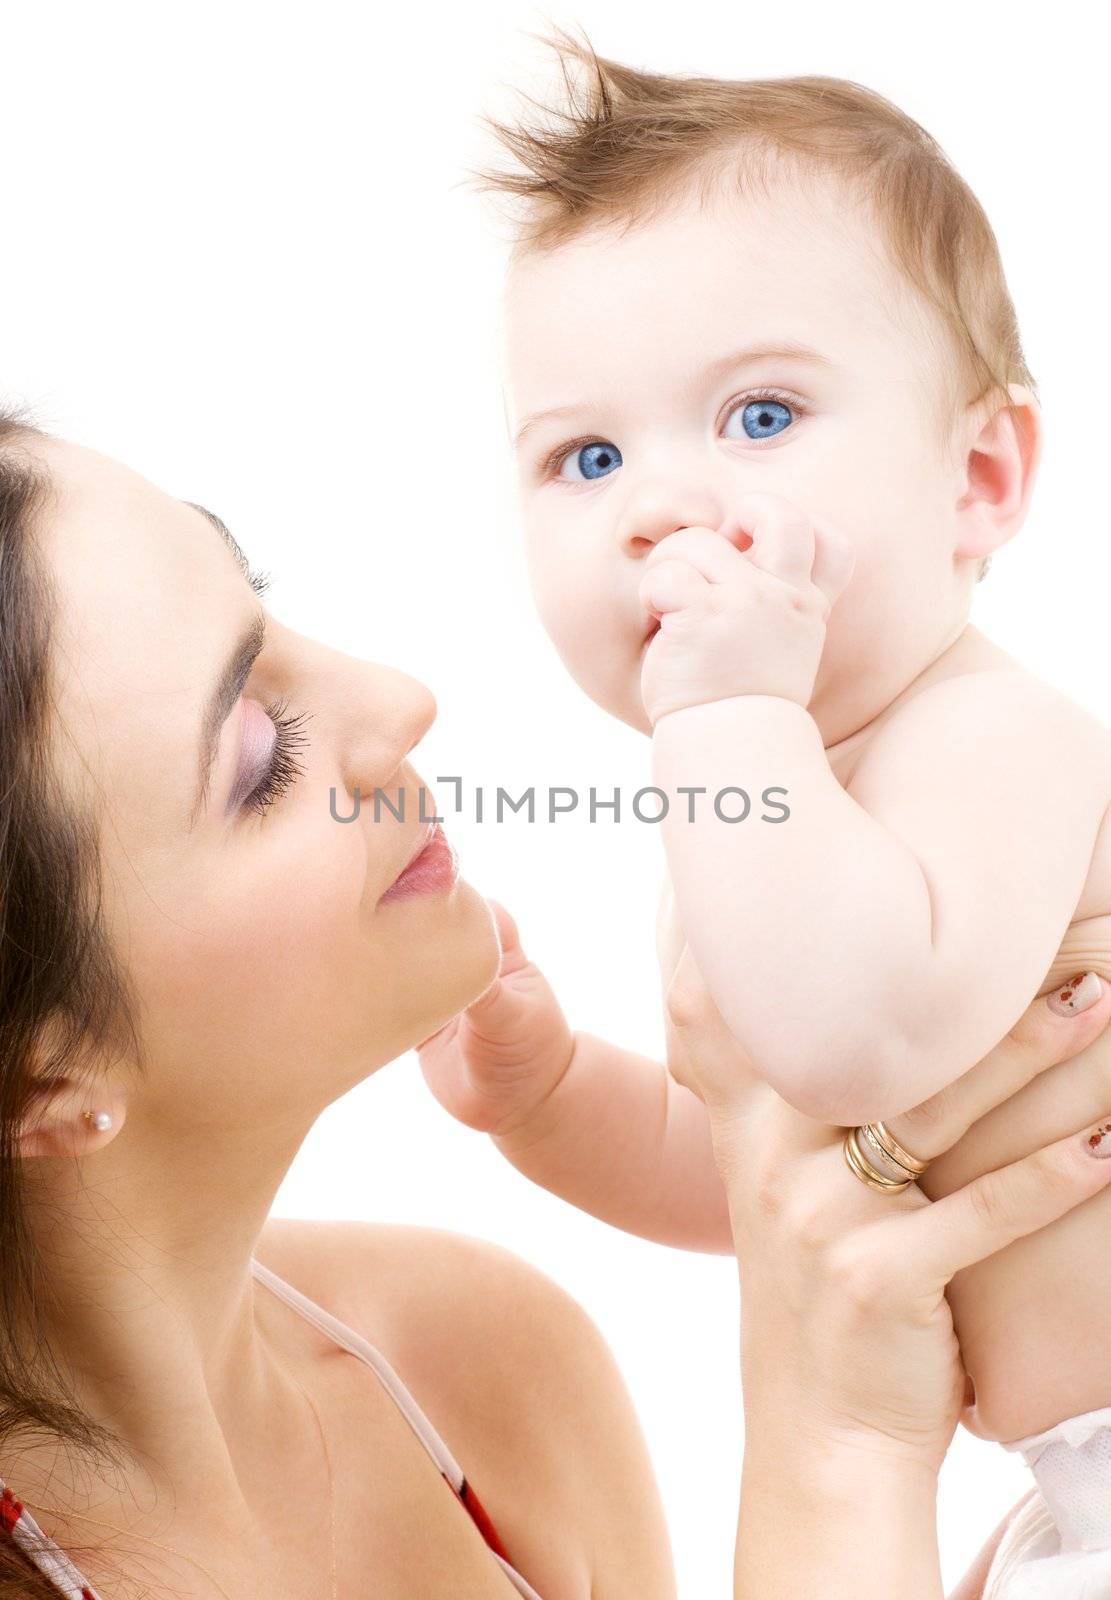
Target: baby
[772,419]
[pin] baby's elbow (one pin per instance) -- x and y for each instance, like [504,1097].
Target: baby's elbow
[844,1087]
[833,1102]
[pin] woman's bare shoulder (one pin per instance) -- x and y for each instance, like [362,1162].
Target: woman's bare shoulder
[512,1372]
[407,1281]
[462,1320]
[455,1313]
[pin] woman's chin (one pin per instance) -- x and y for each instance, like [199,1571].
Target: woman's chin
[460,951]
[483,948]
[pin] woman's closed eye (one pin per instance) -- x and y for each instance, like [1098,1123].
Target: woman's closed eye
[762,414]
[283,768]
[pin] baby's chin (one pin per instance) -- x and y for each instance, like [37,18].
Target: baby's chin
[625,701]
[618,696]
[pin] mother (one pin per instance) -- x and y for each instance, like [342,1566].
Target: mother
[180,1000]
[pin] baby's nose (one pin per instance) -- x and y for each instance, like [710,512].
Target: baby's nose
[651,516]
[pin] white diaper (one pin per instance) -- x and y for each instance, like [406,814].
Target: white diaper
[1059,1546]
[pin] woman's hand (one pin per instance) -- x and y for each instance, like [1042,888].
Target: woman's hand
[848,1350]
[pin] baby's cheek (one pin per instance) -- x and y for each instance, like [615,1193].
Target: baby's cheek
[564,592]
[589,636]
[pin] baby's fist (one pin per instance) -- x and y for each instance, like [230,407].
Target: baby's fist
[494,1064]
[733,623]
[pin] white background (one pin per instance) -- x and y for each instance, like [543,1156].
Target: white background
[238,253]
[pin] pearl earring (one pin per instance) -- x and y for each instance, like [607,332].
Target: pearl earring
[101,1120]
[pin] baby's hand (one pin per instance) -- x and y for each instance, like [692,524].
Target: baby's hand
[733,623]
[493,1064]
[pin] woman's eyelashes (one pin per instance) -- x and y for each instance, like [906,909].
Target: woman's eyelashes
[763,414]
[283,768]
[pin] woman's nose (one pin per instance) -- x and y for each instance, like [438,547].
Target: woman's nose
[655,510]
[387,713]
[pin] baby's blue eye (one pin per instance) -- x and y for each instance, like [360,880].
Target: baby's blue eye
[596,460]
[762,418]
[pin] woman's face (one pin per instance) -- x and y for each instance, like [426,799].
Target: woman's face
[271,973]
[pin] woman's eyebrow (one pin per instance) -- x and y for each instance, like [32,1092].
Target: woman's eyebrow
[257,583]
[229,686]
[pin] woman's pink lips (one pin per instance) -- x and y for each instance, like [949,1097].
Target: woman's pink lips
[431,868]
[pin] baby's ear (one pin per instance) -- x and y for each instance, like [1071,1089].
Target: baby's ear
[1002,454]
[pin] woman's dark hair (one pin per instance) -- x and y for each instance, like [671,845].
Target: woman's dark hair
[65,1004]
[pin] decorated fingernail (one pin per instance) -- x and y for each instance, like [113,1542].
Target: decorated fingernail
[1098,1142]
[1076,995]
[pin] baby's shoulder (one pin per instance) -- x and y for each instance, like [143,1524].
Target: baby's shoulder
[1007,755]
[1008,689]
[1001,719]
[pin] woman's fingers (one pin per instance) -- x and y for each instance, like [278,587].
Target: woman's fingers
[1041,1038]
[999,1207]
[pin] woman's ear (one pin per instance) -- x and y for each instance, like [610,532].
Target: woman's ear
[61,1121]
[997,472]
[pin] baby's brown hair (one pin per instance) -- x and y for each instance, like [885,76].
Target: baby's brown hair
[625,141]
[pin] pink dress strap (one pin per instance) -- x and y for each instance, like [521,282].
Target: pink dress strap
[410,1410]
[18,1523]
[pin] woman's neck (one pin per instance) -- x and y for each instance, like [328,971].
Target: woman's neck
[152,1312]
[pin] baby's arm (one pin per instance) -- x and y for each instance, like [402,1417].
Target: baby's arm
[876,943]
[879,941]
[618,1137]
[606,1129]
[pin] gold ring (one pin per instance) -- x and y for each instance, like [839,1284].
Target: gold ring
[893,1150]
[861,1167]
